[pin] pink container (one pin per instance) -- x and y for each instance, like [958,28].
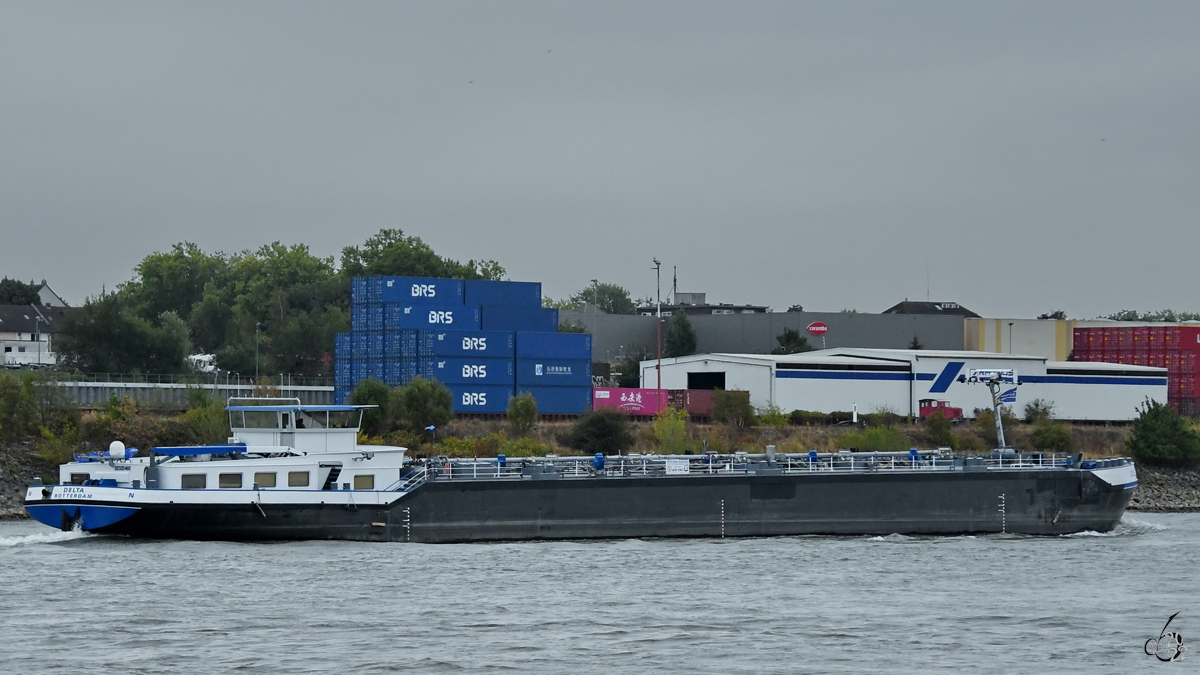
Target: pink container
[631,401]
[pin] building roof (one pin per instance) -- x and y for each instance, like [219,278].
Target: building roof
[936,308]
[48,297]
[25,319]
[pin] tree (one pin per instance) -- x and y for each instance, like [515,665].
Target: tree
[1159,436]
[670,430]
[1038,409]
[605,431]
[1056,314]
[391,253]
[628,369]
[372,392]
[937,427]
[733,408]
[915,344]
[105,335]
[609,298]
[795,308]
[791,342]
[522,414]
[425,403]
[680,339]
[1166,315]
[14,292]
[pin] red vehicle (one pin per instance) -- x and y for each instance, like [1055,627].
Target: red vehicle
[929,406]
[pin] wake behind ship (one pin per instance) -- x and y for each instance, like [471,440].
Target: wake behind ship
[291,471]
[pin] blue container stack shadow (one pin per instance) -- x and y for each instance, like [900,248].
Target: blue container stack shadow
[485,340]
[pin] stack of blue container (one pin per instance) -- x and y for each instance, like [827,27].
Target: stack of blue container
[485,340]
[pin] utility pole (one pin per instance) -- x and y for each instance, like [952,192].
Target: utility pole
[674,284]
[658,322]
[256,325]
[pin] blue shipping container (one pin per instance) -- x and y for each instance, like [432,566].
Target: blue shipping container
[422,289]
[560,400]
[466,370]
[368,345]
[493,344]
[480,399]
[554,373]
[514,293]
[497,317]
[341,395]
[365,290]
[434,317]
[343,374]
[366,317]
[554,346]
[343,345]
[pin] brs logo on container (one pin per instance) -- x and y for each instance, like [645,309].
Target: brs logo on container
[424,291]
[441,317]
[474,371]
[474,344]
[474,398]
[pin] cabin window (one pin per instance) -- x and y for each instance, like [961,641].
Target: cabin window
[343,419]
[80,478]
[265,479]
[297,479]
[316,419]
[229,480]
[364,482]
[262,419]
[236,420]
[287,420]
[193,481]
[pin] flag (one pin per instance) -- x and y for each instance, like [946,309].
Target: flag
[431,427]
[1009,396]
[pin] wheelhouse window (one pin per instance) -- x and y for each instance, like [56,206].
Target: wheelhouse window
[262,419]
[80,478]
[297,479]
[344,419]
[366,482]
[193,481]
[229,480]
[265,479]
[312,419]
[236,419]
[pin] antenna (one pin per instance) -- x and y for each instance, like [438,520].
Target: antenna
[674,284]
[926,280]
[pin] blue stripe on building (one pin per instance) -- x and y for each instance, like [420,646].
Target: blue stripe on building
[946,378]
[839,375]
[1091,379]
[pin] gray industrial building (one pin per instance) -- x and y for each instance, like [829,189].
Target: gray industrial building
[755,333]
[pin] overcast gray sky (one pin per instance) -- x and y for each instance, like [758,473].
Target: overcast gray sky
[1023,157]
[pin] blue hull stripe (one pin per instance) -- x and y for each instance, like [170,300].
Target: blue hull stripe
[91,516]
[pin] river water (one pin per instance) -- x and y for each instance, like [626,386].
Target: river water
[1085,603]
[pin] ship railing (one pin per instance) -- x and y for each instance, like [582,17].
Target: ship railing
[712,464]
[419,474]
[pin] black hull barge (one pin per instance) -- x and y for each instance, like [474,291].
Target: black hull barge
[623,497]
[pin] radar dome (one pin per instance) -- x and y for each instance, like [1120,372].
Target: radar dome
[116,449]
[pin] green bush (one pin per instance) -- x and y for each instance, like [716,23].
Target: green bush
[985,424]
[938,429]
[1050,437]
[424,403]
[525,447]
[1038,409]
[876,439]
[1163,438]
[804,418]
[372,392]
[670,430]
[965,441]
[605,430]
[881,419]
[733,408]
[772,416]
[522,414]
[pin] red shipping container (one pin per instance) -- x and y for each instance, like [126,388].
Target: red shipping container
[632,401]
[1141,338]
[1155,338]
[1125,358]
[1189,338]
[1187,362]
[1170,337]
[1139,359]
[1125,338]
[1079,339]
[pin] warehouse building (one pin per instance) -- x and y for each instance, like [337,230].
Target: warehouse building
[897,380]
